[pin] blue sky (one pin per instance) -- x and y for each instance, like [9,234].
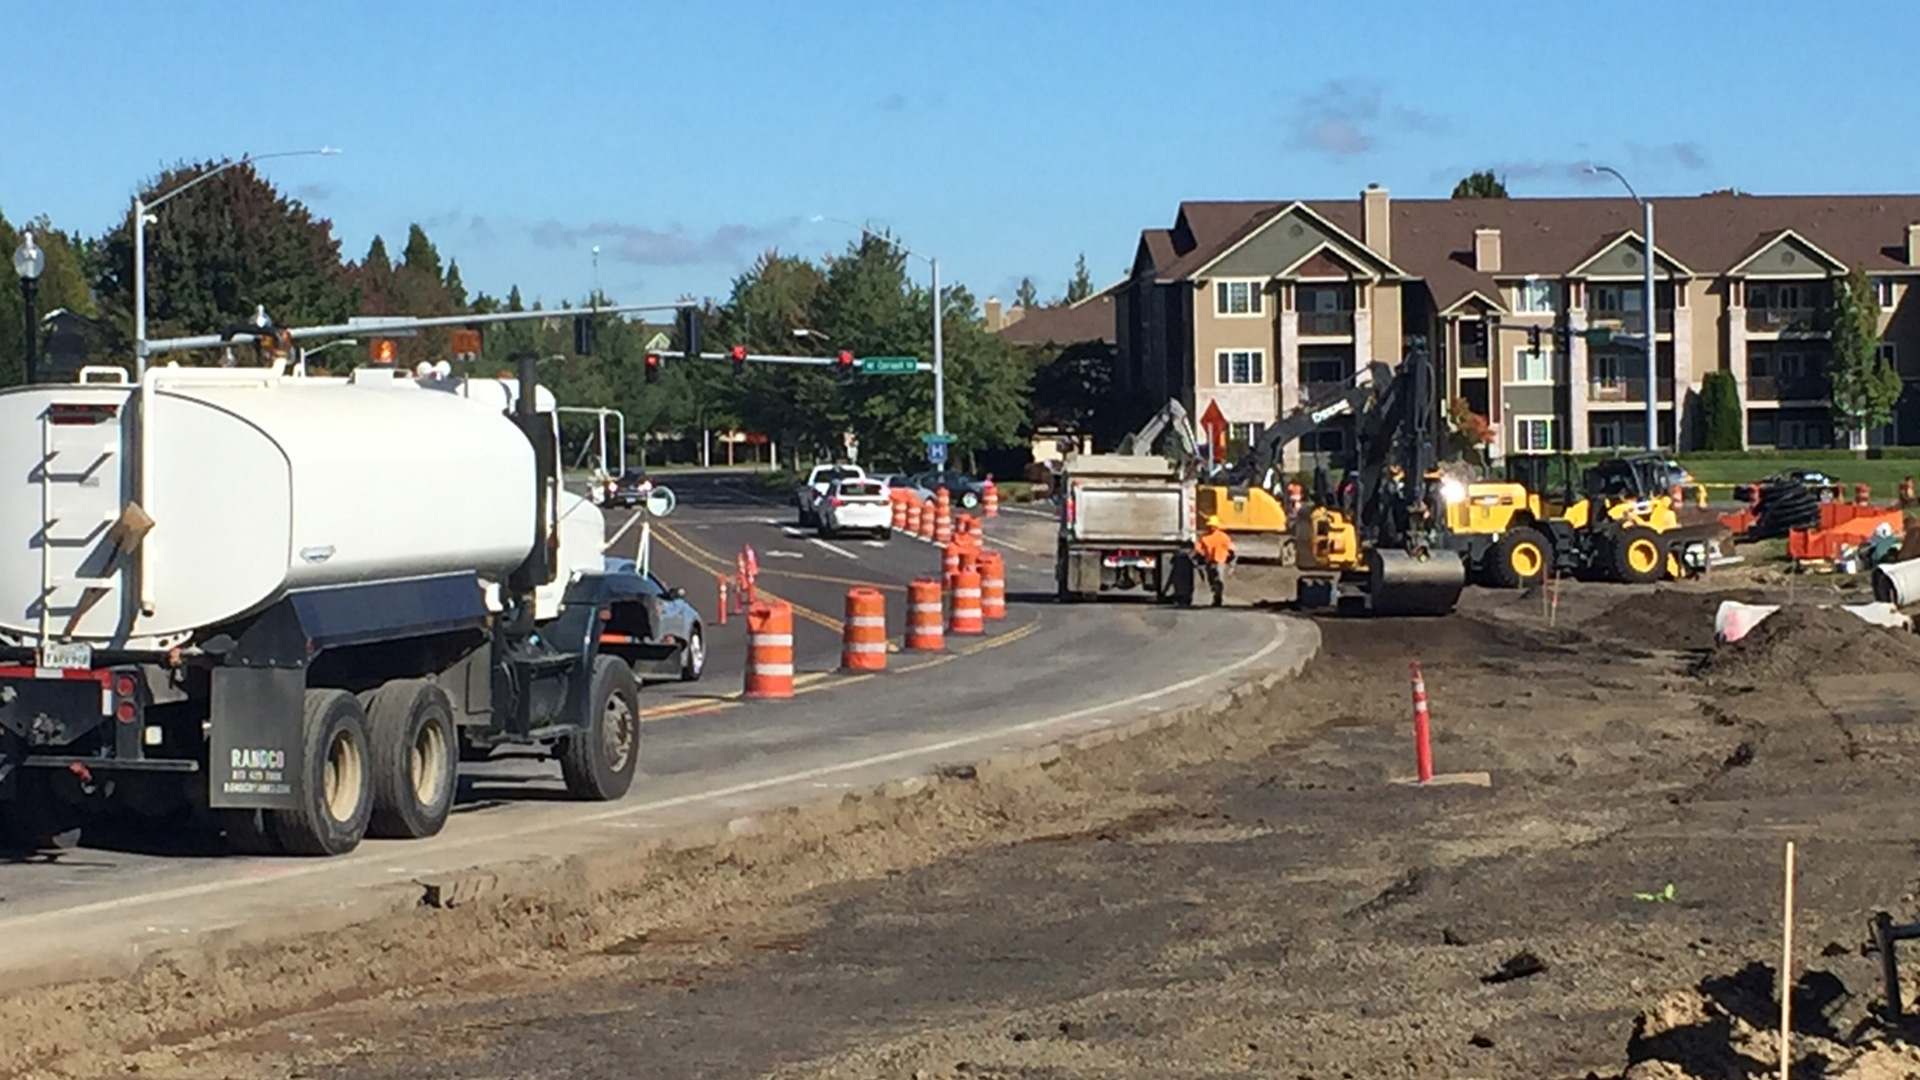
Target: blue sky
[1003,137]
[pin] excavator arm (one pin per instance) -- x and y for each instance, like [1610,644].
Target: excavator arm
[1172,416]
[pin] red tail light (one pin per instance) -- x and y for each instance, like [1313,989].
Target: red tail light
[836,501]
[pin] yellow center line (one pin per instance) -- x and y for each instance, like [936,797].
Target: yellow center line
[707,561]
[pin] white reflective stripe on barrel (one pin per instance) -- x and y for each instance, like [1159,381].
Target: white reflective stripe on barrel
[770,669]
[866,646]
[867,620]
[771,639]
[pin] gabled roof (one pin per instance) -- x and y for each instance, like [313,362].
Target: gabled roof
[1767,241]
[1091,319]
[1198,262]
[1432,239]
[1314,263]
[1632,238]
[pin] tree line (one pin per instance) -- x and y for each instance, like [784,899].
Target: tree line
[236,243]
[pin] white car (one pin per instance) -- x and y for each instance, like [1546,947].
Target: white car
[858,505]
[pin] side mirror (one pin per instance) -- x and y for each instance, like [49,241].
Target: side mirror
[676,593]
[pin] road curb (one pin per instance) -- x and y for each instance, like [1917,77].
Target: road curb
[277,940]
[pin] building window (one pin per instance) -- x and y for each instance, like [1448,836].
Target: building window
[1534,297]
[1319,370]
[1241,366]
[1236,297]
[1605,434]
[1889,355]
[1244,434]
[1536,433]
[1786,296]
[1883,292]
[1531,366]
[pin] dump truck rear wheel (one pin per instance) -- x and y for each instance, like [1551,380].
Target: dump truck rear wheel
[410,729]
[335,785]
[1518,560]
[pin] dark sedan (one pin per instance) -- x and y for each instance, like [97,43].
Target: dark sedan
[631,489]
[964,490]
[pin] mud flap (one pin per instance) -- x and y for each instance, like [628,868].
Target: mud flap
[256,746]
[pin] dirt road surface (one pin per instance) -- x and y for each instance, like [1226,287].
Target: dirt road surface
[1260,894]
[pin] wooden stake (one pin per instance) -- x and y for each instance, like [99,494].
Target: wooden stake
[1786,971]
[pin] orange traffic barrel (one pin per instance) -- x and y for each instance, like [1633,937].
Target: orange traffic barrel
[942,516]
[927,514]
[924,633]
[912,506]
[863,644]
[770,651]
[990,499]
[1862,494]
[899,511]
[993,585]
[949,559]
[964,616]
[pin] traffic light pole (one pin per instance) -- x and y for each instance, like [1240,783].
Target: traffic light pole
[939,355]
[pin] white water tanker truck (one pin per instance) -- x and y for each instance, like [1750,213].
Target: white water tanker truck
[298,603]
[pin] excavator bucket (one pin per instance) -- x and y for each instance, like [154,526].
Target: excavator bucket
[1400,583]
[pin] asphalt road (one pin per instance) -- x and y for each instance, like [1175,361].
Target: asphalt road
[1045,671]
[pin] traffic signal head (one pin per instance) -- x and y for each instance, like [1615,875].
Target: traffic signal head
[739,354]
[690,332]
[653,367]
[844,364]
[1533,339]
[583,334]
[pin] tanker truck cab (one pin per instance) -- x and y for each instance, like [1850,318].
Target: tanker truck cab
[292,606]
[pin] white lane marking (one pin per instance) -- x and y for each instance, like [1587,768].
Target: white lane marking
[874,543]
[791,532]
[276,874]
[835,548]
[784,554]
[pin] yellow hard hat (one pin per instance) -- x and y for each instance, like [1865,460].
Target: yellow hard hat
[1213,521]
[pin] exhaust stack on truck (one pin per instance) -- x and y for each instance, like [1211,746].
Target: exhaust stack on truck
[297,602]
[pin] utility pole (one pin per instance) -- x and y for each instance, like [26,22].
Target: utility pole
[1649,309]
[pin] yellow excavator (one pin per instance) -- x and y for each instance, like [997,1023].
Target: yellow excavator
[1249,498]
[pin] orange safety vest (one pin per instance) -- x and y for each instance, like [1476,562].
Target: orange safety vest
[1214,546]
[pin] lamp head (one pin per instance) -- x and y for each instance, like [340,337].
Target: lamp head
[28,260]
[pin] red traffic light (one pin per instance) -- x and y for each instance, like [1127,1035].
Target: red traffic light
[653,367]
[846,360]
[739,354]
[653,360]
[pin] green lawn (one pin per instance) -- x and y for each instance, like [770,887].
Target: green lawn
[1720,474]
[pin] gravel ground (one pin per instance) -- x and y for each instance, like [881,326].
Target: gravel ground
[1270,897]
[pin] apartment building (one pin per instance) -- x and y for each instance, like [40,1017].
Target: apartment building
[1261,306]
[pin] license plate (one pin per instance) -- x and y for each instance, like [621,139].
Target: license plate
[1126,560]
[77,656]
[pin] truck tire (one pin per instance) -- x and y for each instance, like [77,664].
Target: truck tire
[1518,559]
[598,763]
[335,786]
[410,731]
[693,658]
[1636,555]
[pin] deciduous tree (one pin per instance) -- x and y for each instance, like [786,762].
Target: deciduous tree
[1863,385]
[1480,185]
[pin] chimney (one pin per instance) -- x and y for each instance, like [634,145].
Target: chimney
[993,313]
[1376,226]
[1486,250]
[1913,244]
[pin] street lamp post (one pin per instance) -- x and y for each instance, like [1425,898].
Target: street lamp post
[307,354]
[939,305]
[142,211]
[30,262]
[1649,308]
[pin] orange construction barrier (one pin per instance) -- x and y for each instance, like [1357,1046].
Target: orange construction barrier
[942,516]
[990,498]
[927,513]
[950,559]
[993,586]
[899,511]
[723,598]
[770,651]
[863,640]
[964,617]
[923,616]
[911,507]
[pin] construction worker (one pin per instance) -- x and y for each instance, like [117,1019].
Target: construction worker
[1212,551]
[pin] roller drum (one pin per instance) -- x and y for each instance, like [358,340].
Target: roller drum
[1401,583]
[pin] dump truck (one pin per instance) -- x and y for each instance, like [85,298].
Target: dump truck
[1126,526]
[295,604]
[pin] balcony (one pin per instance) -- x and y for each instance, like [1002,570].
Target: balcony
[1632,322]
[1796,320]
[1786,388]
[1326,324]
[1622,391]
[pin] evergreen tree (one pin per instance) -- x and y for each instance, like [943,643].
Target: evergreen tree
[456,289]
[1480,185]
[1723,424]
[420,253]
[1081,286]
[1026,296]
[513,300]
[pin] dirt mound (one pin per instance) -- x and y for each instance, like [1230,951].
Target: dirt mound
[1802,642]
[1459,637]
[1667,618]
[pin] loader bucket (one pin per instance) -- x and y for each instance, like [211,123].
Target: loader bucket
[1400,583]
